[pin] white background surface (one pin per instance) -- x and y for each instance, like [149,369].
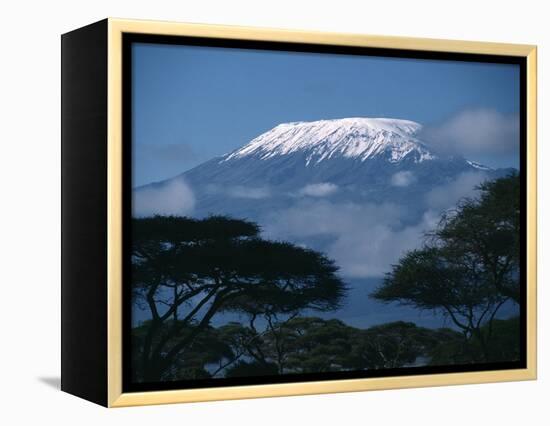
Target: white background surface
[30,200]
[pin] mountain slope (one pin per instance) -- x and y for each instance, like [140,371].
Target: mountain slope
[293,153]
[345,160]
[362,191]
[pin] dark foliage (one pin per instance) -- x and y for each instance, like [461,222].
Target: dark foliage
[468,268]
[312,345]
[185,271]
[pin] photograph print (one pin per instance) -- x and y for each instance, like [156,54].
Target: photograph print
[300,215]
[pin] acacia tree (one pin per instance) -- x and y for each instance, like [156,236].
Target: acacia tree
[396,344]
[298,345]
[186,270]
[312,345]
[488,229]
[207,348]
[469,266]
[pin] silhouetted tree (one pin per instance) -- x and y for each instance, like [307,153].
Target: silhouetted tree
[505,345]
[469,267]
[187,270]
[488,229]
[207,348]
[297,345]
[309,344]
[394,345]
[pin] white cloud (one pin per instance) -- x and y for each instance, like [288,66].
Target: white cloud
[402,179]
[363,239]
[248,192]
[313,217]
[318,189]
[370,251]
[445,196]
[173,198]
[238,191]
[474,133]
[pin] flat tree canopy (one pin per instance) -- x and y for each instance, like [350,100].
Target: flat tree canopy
[185,271]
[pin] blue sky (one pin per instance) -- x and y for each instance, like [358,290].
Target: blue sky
[193,103]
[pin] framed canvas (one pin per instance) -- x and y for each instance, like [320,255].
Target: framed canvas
[255,212]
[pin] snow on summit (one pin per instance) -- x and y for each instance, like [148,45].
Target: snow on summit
[361,138]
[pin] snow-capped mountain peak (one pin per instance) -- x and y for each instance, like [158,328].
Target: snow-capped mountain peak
[351,161]
[359,138]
